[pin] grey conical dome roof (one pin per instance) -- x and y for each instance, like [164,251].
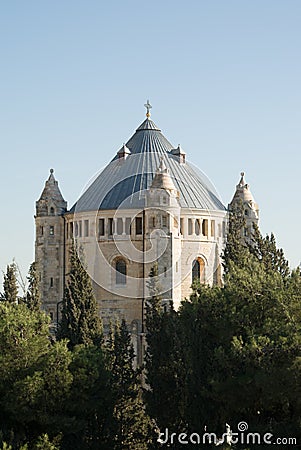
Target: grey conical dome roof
[123,181]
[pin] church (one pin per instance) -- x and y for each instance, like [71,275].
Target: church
[149,207]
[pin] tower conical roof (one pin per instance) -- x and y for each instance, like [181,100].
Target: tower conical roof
[243,191]
[123,182]
[162,179]
[51,194]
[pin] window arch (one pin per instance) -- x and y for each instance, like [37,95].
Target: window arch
[197,271]
[121,271]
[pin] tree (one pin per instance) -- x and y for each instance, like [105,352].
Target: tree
[165,394]
[41,395]
[132,426]
[24,340]
[10,284]
[266,251]
[236,248]
[242,349]
[32,296]
[89,405]
[80,322]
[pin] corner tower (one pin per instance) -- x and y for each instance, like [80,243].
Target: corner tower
[50,245]
[162,224]
[244,197]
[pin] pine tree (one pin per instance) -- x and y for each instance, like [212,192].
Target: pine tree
[80,322]
[24,341]
[10,284]
[267,252]
[33,297]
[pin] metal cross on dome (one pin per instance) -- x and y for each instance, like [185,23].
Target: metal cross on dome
[148,106]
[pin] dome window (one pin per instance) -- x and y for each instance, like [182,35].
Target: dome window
[205,227]
[138,224]
[101,227]
[197,227]
[180,154]
[190,226]
[124,152]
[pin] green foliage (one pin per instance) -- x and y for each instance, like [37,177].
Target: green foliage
[33,298]
[132,426]
[24,345]
[243,348]
[10,284]
[266,251]
[23,339]
[44,443]
[165,394]
[80,322]
[5,446]
[236,248]
[89,404]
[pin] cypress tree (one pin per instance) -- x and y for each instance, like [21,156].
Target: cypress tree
[10,284]
[132,426]
[236,250]
[80,322]
[165,372]
[33,297]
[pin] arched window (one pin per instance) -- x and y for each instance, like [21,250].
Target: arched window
[198,272]
[52,211]
[120,267]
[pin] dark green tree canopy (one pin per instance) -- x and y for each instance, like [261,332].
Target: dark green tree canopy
[80,322]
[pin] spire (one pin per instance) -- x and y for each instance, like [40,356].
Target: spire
[51,176]
[244,195]
[51,200]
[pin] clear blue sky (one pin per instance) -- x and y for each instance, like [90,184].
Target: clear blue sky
[223,78]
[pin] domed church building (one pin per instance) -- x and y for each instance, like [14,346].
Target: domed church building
[149,208]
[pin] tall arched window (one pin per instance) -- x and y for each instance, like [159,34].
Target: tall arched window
[120,267]
[198,272]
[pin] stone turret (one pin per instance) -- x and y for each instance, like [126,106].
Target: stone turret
[49,244]
[163,229]
[244,196]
